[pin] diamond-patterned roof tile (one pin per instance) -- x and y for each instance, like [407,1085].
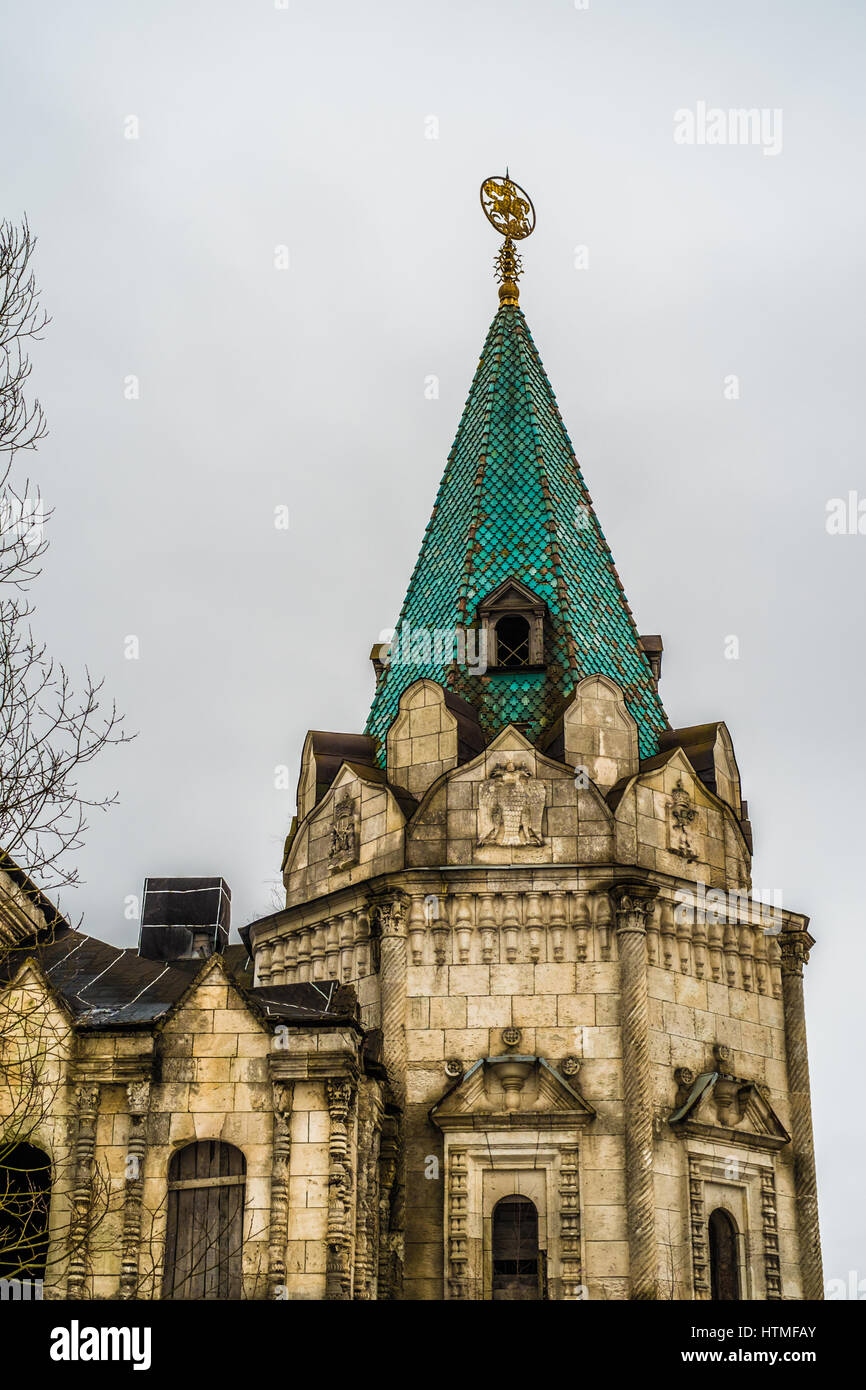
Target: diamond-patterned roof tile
[513,503]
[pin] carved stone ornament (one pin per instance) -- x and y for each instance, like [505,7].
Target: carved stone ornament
[344,836]
[511,807]
[682,813]
[454,1067]
[721,1106]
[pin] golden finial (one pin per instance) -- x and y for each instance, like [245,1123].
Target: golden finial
[509,209]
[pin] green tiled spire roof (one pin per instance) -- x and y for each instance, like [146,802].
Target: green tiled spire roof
[513,505]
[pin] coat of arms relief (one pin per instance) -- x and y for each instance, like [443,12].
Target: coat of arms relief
[511,807]
[344,837]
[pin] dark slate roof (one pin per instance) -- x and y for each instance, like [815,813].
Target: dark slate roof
[317,1002]
[104,985]
[108,986]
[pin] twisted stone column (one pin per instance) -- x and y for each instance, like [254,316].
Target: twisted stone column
[633,902]
[138,1100]
[795,945]
[279,1227]
[389,920]
[87,1106]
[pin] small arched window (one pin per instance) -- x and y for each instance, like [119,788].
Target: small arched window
[25,1199]
[512,641]
[724,1259]
[516,1263]
[512,621]
[205,1227]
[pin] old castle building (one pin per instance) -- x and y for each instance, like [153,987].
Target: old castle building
[519,1031]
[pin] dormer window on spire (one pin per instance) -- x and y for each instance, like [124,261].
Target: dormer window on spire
[512,619]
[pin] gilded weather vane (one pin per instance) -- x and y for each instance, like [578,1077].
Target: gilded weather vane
[509,209]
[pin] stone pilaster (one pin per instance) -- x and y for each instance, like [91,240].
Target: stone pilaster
[698,1225]
[633,902]
[279,1227]
[770,1233]
[795,945]
[138,1101]
[338,1280]
[569,1225]
[87,1110]
[458,1237]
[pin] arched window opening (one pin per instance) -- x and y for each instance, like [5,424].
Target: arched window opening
[512,641]
[25,1199]
[205,1225]
[724,1262]
[517,1265]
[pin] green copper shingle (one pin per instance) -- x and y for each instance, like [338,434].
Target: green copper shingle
[513,504]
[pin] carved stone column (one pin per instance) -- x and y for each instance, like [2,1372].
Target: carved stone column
[367,1206]
[569,1224]
[698,1223]
[795,945]
[338,1279]
[87,1107]
[138,1100]
[389,1147]
[632,906]
[770,1233]
[389,919]
[279,1227]
[458,1215]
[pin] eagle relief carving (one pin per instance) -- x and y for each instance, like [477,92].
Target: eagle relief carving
[511,807]
[344,849]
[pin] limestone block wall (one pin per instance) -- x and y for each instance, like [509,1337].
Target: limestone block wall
[42,1115]
[422,741]
[310,869]
[113,1106]
[554,974]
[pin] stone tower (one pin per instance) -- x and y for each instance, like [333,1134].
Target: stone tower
[592,1037]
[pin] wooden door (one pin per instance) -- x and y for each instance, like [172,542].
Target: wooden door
[204,1231]
[724,1260]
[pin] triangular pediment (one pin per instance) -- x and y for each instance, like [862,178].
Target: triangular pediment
[511,1090]
[731,1110]
[511,593]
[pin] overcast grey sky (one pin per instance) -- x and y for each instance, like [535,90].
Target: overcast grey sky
[307,127]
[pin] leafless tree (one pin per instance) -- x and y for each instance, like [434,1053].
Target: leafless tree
[50,726]
[33,1051]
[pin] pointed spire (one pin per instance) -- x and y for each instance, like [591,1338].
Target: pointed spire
[513,506]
